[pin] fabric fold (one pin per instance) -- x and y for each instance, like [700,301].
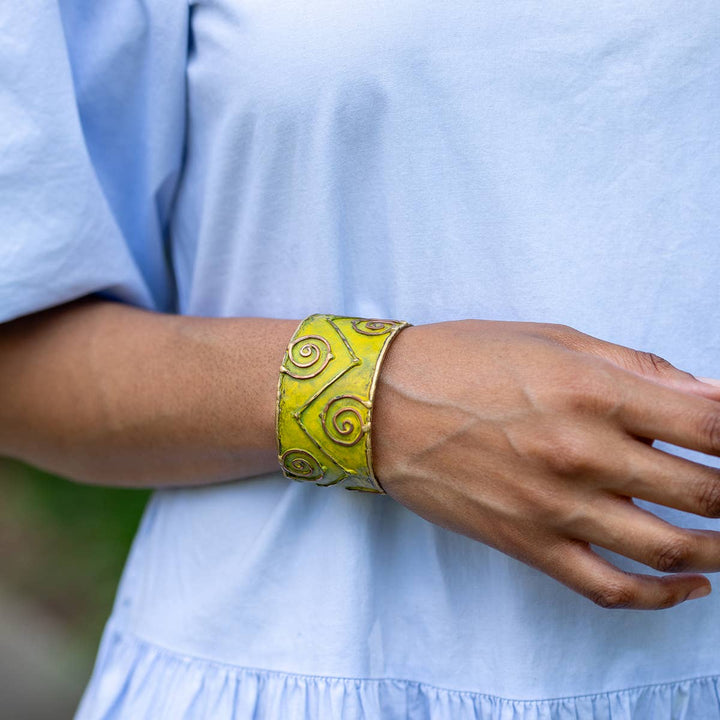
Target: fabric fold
[139,679]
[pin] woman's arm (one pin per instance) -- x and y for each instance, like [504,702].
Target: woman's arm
[532,438]
[105,393]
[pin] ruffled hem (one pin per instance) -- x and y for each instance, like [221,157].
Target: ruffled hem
[136,680]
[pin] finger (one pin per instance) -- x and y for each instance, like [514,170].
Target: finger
[707,387]
[660,477]
[617,524]
[651,410]
[715,382]
[646,364]
[578,567]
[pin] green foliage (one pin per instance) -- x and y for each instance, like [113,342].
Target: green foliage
[64,545]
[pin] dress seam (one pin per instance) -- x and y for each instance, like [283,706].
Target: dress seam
[416,683]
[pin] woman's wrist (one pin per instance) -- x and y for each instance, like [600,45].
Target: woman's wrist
[394,428]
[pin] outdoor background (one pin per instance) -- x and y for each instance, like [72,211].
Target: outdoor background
[62,550]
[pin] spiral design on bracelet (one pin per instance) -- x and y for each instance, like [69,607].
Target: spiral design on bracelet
[302,465]
[373,327]
[307,357]
[343,419]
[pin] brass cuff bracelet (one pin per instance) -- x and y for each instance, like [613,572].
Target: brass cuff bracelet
[325,396]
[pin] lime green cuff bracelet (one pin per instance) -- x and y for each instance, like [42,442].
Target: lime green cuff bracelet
[325,394]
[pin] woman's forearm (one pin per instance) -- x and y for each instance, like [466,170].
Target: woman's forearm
[105,393]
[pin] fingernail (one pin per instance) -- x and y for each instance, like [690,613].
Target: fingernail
[700,592]
[710,381]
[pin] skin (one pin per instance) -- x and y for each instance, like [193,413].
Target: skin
[533,438]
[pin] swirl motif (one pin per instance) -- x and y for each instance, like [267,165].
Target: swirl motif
[302,465]
[343,419]
[373,327]
[308,355]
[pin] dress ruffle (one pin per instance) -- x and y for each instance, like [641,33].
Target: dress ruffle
[137,680]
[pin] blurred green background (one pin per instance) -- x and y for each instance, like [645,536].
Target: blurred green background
[62,550]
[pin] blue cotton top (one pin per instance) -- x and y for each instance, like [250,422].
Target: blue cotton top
[554,161]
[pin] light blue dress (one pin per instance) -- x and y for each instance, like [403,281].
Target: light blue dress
[554,161]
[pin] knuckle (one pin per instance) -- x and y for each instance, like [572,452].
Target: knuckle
[555,330]
[570,518]
[709,499]
[710,430]
[591,391]
[649,361]
[674,556]
[668,600]
[558,511]
[568,455]
[564,335]
[614,596]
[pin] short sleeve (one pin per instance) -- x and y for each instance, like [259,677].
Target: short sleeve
[92,127]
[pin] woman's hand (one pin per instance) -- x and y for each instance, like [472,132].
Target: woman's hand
[535,438]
